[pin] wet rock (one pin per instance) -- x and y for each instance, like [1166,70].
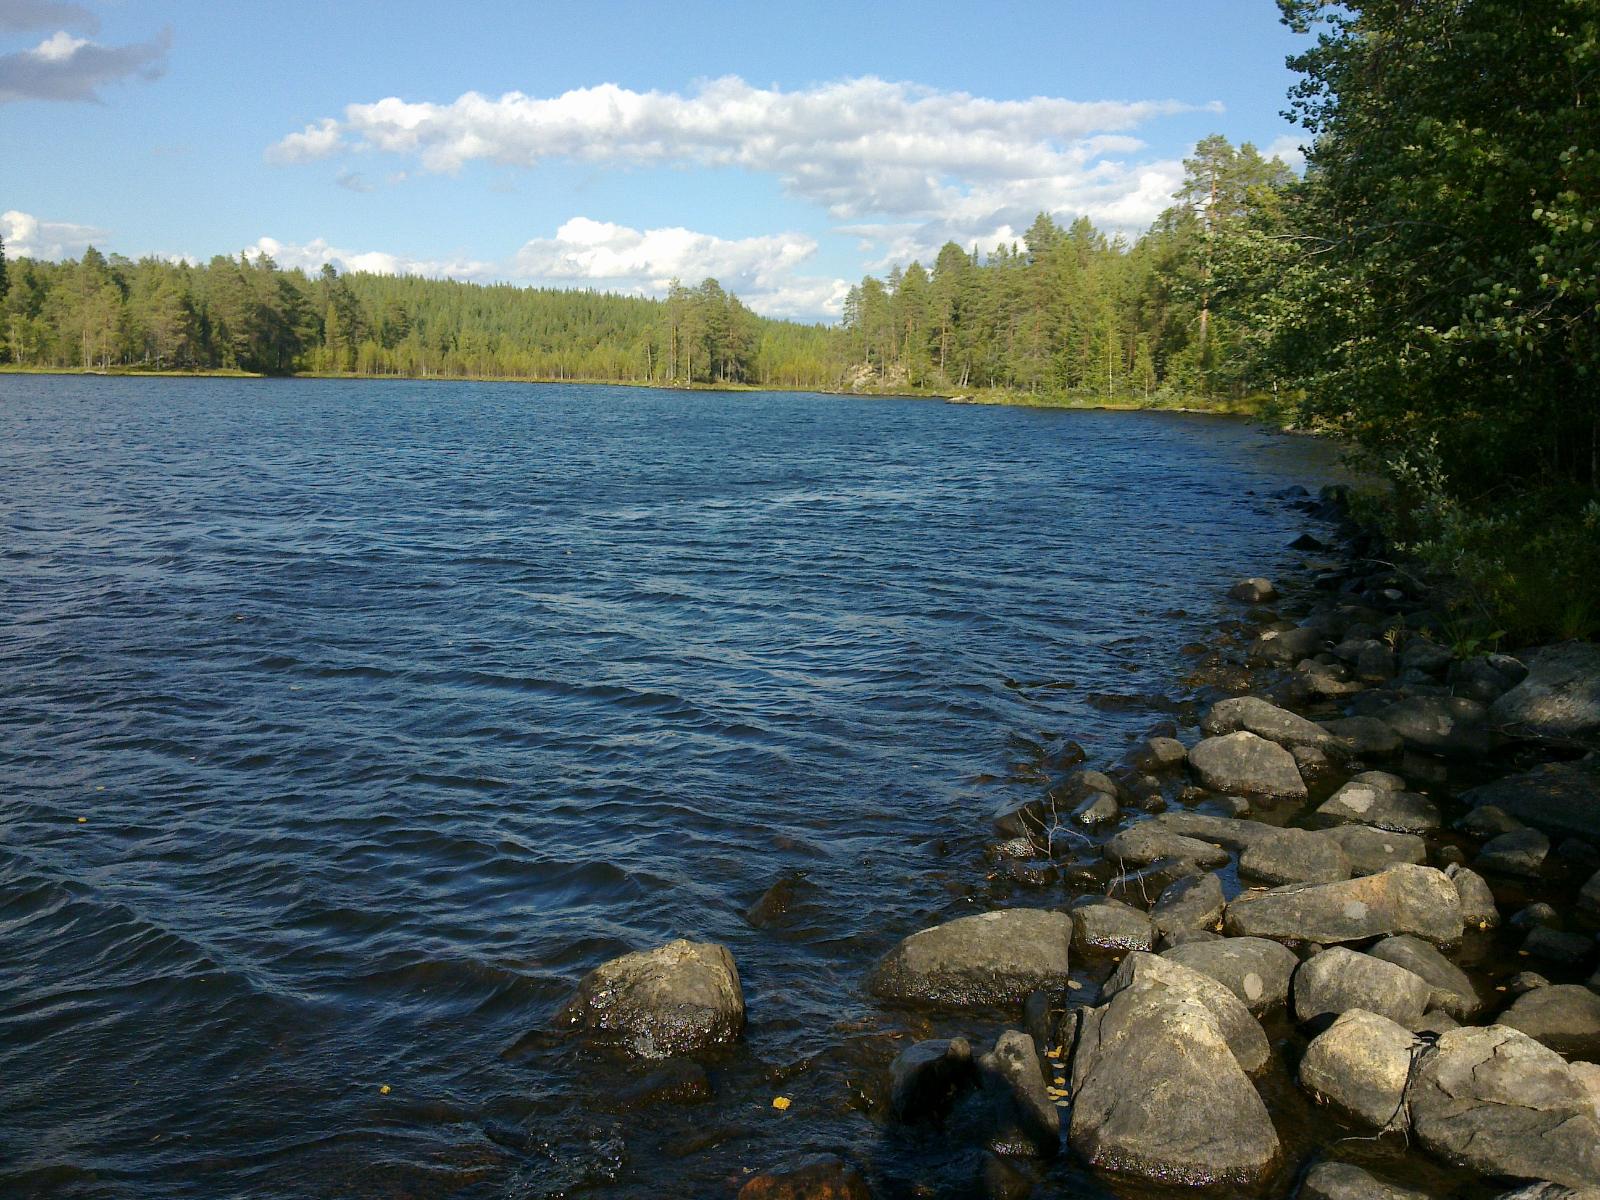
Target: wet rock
[989,958]
[1565,1017]
[1224,831]
[1362,803]
[1360,1064]
[1365,737]
[1520,852]
[1344,1181]
[1110,926]
[1255,970]
[1371,850]
[1176,982]
[1558,798]
[1141,887]
[1488,821]
[1478,909]
[1403,899]
[1253,715]
[1097,809]
[1452,989]
[1525,981]
[820,1177]
[1026,1122]
[774,903]
[1146,842]
[677,1081]
[1006,1178]
[1274,648]
[1560,698]
[1558,946]
[1253,591]
[1189,904]
[1295,856]
[675,999]
[1449,726]
[1495,1100]
[1023,818]
[1244,763]
[1160,754]
[925,1078]
[1338,980]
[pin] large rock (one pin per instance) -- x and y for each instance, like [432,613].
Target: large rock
[1295,856]
[1232,832]
[1192,903]
[1565,1017]
[1158,1093]
[1109,926]
[990,958]
[1452,989]
[1249,765]
[1559,798]
[1338,980]
[1360,1065]
[1366,804]
[1255,970]
[1493,1099]
[1449,726]
[1239,1027]
[1345,1181]
[1560,698]
[1146,842]
[1256,716]
[1282,648]
[1403,899]
[926,1077]
[1026,1122]
[1366,737]
[675,999]
[1372,850]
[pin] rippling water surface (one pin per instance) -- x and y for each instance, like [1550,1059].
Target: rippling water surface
[343,726]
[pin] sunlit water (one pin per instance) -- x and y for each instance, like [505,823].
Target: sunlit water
[343,726]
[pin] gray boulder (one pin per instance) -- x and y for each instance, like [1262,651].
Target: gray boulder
[1403,899]
[1559,798]
[1563,1016]
[1295,856]
[1255,970]
[1284,647]
[1345,1181]
[1449,726]
[1145,842]
[1365,804]
[989,958]
[925,1078]
[1110,926]
[1161,754]
[1366,737]
[1025,1121]
[1244,763]
[1097,809]
[1520,852]
[1256,716]
[1452,989]
[1338,980]
[1253,591]
[1360,1064]
[1493,1099]
[1372,850]
[1172,979]
[1189,904]
[674,999]
[1478,910]
[1559,698]
[1232,832]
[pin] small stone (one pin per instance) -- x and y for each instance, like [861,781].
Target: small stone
[1242,763]
[1145,842]
[1535,915]
[1193,903]
[1488,821]
[1452,988]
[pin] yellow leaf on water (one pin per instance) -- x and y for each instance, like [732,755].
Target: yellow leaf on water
[383,1090]
[781,1103]
[83,820]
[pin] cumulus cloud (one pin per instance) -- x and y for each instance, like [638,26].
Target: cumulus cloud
[63,67]
[26,236]
[312,256]
[46,14]
[861,148]
[1289,149]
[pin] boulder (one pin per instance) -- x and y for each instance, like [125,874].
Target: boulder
[1365,804]
[1283,647]
[1172,979]
[1244,763]
[1559,798]
[1559,698]
[1097,809]
[1493,1099]
[1558,946]
[1452,989]
[1232,832]
[1372,850]
[1146,842]
[1449,726]
[1487,821]
[1563,1016]
[1161,754]
[1403,899]
[1256,716]
[819,1177]
[926,1077]
[1365,737]
[1360,1064]
[674,999]
[1295,856]
[1520,852]
[1025,1121]
[1338,980]
[1345,1181]
[1158,1093]
[1253,591]
[1110,926]
[1255,970]
[989,958]
[1192,903]
[1478,909]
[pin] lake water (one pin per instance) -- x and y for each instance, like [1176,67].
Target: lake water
[343,726]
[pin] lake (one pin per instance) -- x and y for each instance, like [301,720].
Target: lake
[344,725]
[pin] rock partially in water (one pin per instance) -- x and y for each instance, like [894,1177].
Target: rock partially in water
[1495,1100]
[1345,1181]
[925,1078]
[1478,910]
[1449,726]
[1295,856]
[1161,754]
[677,1081]
[1253,591]
[1110,926]
[1381,808]
[1232,832]
[1145,842]
[1175,981]
[1558,946]
[1254,715]
[1519,852]
[774,903]
[1558,798]
[1025,1120]
[1403,899]
[675,999]
[1275,648]
[1559,698]
[1452,988]
[1256,970]
[1360,1064]
[1193,903]
[1249,765]
[1339,979]
[1366,737]
[989,958]
[820,1177]
[1564,1017]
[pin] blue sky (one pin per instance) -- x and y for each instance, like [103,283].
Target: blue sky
[785,148]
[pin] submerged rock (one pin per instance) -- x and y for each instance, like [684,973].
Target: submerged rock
[1244,763]
[1559,698]
[989,958]
[1253,591]
[1360,1064]
[1403,899]
[926,1077]
[1025,1121]
[675,999]
[820,1177]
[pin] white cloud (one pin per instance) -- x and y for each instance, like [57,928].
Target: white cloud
[859,147]
[312,256]
[63,67]
[28,237]
[1289,149]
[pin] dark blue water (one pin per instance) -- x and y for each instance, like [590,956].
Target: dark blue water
[344,726]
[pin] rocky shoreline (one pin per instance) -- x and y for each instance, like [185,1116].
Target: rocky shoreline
[1368,878]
